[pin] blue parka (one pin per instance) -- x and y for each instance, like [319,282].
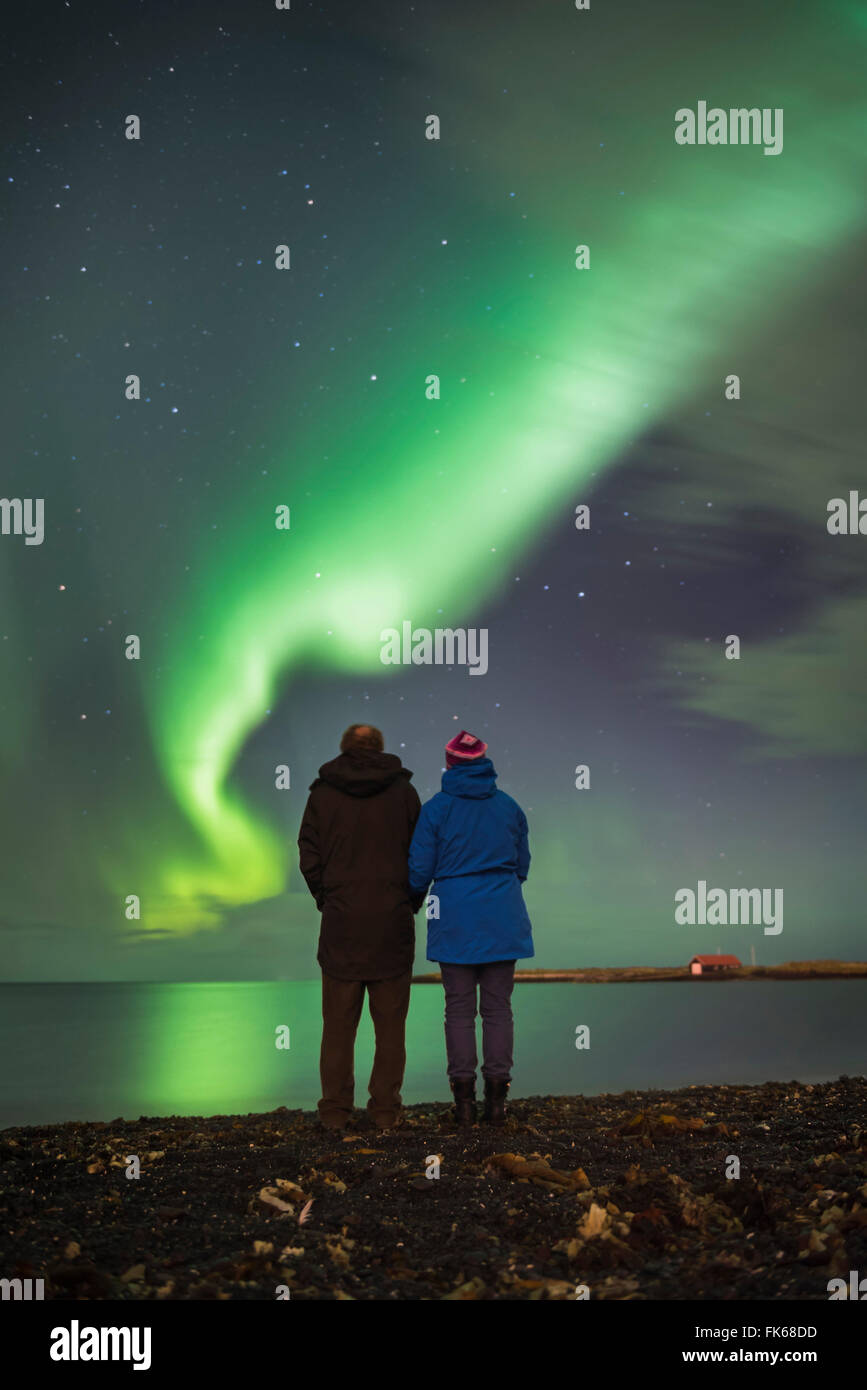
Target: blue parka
[471,840]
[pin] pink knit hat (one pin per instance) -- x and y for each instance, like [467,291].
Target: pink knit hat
[464,748]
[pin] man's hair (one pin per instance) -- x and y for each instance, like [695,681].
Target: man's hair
[362,736]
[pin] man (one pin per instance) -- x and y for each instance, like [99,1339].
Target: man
[354,843]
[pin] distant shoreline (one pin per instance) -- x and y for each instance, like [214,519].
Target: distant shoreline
[644,974]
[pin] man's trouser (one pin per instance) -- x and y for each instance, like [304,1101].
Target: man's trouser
[388,1001]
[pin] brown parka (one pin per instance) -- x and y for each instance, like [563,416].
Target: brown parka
[354,842]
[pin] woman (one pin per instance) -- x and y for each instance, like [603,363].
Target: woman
[471,840]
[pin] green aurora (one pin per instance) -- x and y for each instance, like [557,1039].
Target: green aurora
[537,399]
[306,389]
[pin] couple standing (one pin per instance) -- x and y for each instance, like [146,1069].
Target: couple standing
[369,853]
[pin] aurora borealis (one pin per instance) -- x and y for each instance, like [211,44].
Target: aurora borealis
[305,389]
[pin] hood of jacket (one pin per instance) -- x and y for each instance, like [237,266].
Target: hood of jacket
[474,780]
[362,772]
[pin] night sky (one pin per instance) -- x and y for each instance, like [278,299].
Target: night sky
[305,388]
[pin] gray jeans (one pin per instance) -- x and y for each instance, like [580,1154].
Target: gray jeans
[494,982]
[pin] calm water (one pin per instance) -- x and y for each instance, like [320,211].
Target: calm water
[95,1052]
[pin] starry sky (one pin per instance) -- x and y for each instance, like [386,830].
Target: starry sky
[305,388]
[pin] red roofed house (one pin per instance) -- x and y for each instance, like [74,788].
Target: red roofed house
[711,965]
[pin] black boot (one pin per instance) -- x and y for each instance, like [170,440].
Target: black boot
[496,1091]
[464,1092]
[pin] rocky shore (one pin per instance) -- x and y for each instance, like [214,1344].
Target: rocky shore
[621,1197]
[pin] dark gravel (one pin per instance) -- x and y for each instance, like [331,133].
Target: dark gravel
[625,1194]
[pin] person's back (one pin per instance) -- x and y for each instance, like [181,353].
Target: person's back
[471,840]
[353,844]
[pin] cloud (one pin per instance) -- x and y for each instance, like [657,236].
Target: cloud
[804,692]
